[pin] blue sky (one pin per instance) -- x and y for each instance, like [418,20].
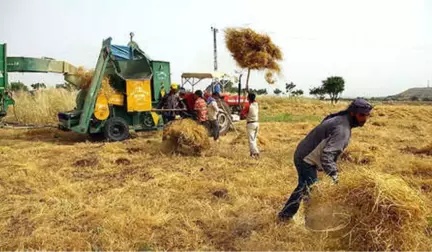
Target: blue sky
[380,47]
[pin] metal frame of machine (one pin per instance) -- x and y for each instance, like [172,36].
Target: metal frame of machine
[5,96]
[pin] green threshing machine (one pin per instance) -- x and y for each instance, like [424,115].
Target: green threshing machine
[138,83]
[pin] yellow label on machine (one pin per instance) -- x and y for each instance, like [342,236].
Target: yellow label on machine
[138,94]
[101,111]
[116,99]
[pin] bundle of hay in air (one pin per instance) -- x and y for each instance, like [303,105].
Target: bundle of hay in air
[374,211]
[254,51]
[186,136]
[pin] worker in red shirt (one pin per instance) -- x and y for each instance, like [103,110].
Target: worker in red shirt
[200,108]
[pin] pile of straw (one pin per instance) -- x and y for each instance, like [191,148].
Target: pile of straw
[380,211]
[255,51]
[186,137]
[360,154]
[85,77]
[41,107]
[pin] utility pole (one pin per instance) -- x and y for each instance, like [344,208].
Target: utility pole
[214,30]
[428,83]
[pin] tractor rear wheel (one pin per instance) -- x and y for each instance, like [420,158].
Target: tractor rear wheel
[116,129]
[223,117]
[224,123]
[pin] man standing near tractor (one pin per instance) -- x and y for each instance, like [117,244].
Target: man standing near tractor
[250,113]
[188,100]
[320,149]
[213,111]
[170,101]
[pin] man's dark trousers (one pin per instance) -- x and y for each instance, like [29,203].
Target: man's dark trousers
[307,176]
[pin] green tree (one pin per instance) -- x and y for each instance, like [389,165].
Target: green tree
[18,86]
[277,91]
[414,98]
[67,86]
[229,86]
[289,87]
[258,91]
[334,86]
[38,86]
[318,92]
[297,92]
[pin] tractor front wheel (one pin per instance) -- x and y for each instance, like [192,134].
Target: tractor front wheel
[116,129]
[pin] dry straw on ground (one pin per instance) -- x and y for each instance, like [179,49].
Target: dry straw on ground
[186,136]
[60,192]
[255,51]
[384,212]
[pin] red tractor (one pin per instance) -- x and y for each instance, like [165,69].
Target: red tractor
[231,103]
[234,101]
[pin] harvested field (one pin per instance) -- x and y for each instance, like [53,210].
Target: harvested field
[60,191]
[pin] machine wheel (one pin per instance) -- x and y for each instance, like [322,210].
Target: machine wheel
[116,129]
[224,123]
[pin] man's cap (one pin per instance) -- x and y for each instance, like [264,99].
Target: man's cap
[360,105]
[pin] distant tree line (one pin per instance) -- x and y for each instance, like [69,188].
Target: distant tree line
[19,86]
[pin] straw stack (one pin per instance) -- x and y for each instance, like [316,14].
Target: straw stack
[186,137]
[384,212]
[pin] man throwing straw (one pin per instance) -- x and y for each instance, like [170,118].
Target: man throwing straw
[320,149]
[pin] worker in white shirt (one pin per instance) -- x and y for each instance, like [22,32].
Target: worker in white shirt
[213,111]
[250,113]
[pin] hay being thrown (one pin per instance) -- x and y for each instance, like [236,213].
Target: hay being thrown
[269,78]
[185,136]
[384,213]
[85,76]
[255,51]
